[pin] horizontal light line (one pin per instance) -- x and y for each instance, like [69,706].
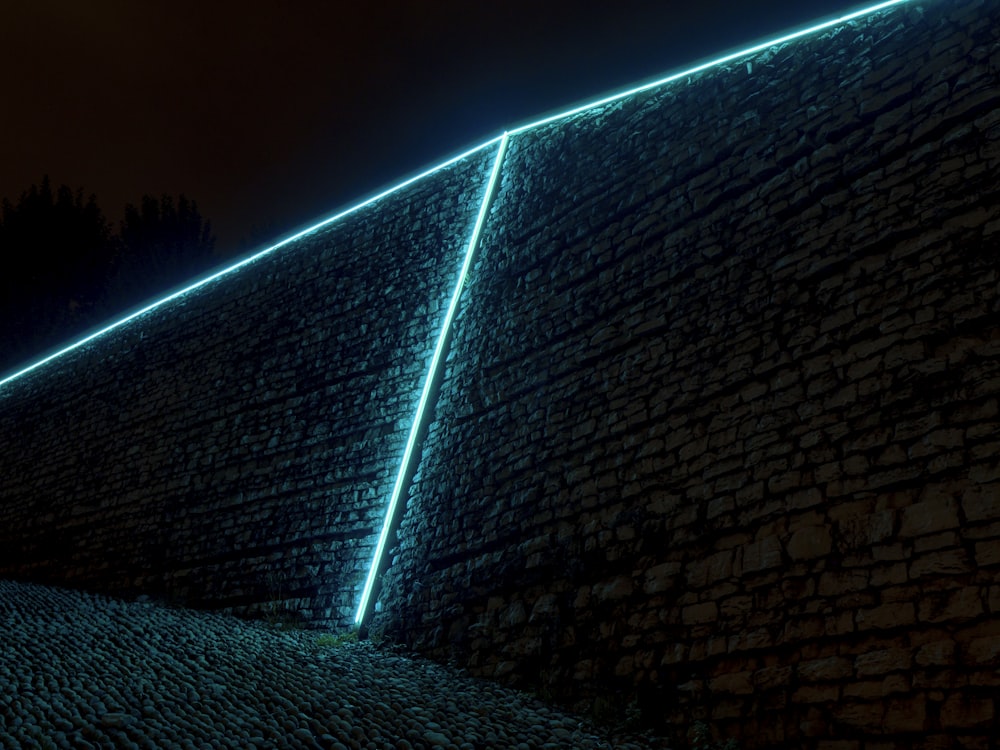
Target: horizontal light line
[256,256]
[704,66]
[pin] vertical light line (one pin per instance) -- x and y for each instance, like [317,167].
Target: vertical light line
[405,468]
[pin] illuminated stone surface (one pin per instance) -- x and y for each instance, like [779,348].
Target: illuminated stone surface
[720,410]
[233,449]
[748,360]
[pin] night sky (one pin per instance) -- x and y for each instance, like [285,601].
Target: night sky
[272,115]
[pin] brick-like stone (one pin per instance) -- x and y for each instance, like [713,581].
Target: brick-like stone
[867,716]
[866,530]
[828,668]
[614,589]
[967,712]
[988,553]
[951,606]
[943,562]
[886,616]
[882,661]
[700,613]
[985,651]
[839,582]
[936,653]
[928,517]
[810,542]
[710,569]
[738,683]
[981,502]
[906,715]
[817,694]
[762,554]
[660,577]
[772,677]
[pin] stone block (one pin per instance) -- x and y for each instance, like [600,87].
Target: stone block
[737,683]
[942,562]
[615,589]
[865,530]
[546,607]
[883,661]
[759,638]
[762,554]
[906,715]
[838,582]
[935,541]
[736,607]
[889,575]
[866,717]
[928,517]
[982,502]
[703,612]
[772,677]
[936,653]
[809,543]
[817,694]
[892,551]
[660,577]
[951,606]
[967,712]
[707,570]
[829,668]
[894,684]
[983,651]
[886,616]
[514,615]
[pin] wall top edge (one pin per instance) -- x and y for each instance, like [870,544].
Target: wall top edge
[299,233]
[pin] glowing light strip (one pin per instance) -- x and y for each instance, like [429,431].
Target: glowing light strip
[229,269]
[514,131]
[418,417]
[703,66]
[439,350]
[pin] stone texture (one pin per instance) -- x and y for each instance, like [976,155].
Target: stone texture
[764,343]
[719,411]
[233,449]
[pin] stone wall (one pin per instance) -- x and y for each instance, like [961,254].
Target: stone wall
[718,437]
[233,448]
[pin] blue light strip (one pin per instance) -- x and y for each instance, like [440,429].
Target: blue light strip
[470,251]
[710,64]
[405,468]
[229,269]
[418,418]
[514,131]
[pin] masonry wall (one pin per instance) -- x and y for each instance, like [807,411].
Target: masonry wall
[718,437]
[233,449]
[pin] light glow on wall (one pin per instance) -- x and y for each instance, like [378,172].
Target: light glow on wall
[432,371]
[418,418]
[704,66]
[502,141]
[246,261]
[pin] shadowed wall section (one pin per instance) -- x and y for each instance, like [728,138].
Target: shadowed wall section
[718,436]
[233,449]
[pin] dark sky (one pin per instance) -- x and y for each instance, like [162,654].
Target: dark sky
[273,114]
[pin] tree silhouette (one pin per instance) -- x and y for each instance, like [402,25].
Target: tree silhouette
[67,270]
[58,250]
[162,244]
